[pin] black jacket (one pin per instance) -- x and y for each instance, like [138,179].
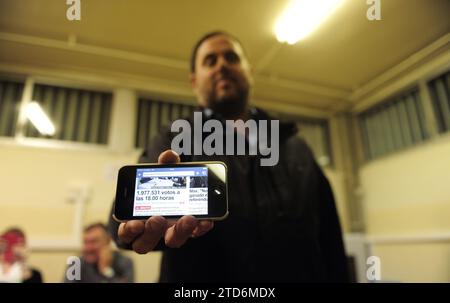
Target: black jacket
[282,227]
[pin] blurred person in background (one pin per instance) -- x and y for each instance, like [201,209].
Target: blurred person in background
[99,262]
[13,259]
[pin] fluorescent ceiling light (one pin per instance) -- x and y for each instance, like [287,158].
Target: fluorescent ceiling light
[302,17]
[40,120]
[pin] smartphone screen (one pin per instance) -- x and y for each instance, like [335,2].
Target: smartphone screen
[171,191]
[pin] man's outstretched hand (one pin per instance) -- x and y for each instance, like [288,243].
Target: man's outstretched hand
[145,235]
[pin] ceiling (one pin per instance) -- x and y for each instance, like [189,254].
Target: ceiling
[153,40]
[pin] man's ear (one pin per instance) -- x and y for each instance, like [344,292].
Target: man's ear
[193,80]
[251,77]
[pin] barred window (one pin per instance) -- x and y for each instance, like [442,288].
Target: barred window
[78,115]
[315,132]
[153,115]
[440,95]
[393,125]
[10,99]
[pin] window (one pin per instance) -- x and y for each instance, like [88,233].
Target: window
[153,115]
[393,125]
[78,115]
[316,134]
[10,99]
[440,95]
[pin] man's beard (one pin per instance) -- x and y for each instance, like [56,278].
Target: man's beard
[231,105]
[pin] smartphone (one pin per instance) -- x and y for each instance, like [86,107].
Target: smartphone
[172,191]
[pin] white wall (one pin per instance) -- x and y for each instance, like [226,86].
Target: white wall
[35,188]
[407,210]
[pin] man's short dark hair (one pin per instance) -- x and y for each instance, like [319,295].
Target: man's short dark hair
[203,39]
[95,225]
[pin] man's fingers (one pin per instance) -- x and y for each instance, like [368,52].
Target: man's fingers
[202,228]
[154,229]
[178,234]
[130,230]
[168,156]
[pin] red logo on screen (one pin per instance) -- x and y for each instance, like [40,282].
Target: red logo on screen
[142,207]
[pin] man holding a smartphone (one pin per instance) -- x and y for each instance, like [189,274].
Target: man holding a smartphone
[282,225]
